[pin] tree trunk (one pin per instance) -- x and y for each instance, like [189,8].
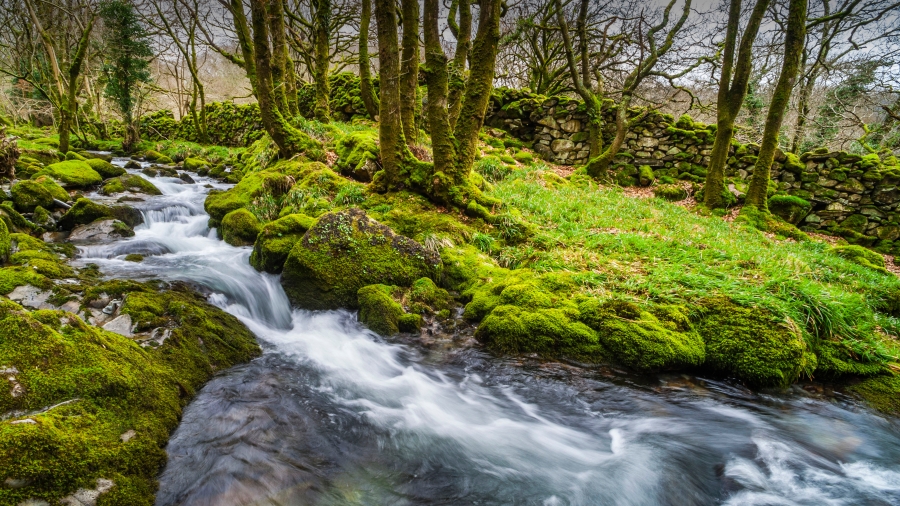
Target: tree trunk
[409,70]
[289,140]
[598,165]
[366,88]
[279,54]
[436,78]
[802,113]
[457,78]
[794,39]
[63,129]
[733,82]
[394,153]
[478,88]
[322,109]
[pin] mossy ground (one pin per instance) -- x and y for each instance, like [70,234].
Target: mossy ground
[78,391]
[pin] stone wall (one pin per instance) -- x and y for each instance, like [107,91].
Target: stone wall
[854,196]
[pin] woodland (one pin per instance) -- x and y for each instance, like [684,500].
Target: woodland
[697,187]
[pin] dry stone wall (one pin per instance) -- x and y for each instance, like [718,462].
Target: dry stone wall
[857,197]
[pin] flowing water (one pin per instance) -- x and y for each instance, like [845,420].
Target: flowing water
[332,414]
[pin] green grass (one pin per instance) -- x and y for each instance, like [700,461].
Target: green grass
[650,250]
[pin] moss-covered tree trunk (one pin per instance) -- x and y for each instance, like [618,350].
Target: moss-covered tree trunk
[289,140]
[395,155]
[803,109]
[463,33]
[366,88]
[245,40]
[322,109]
[477,94]
[733,82]
[794,40]
[279,54]
[409,70]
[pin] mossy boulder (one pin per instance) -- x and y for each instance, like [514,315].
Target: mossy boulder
[644,340]
[378,310]
[752,345]
[240,227]
[71,155]
[79,388]
[104,168]
[275,241]
[861,256]
[345,251]
[275,182]
[426,297]
[129,182]
[670,192]
[72,173]
[157,157]
[28,194]
[645,175]
[195,164]
[358,154]
[789,208]
[84,211]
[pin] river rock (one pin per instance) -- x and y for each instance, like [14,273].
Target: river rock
[88,497]
[100,231]
[31,296]
[120,325]
[345,251]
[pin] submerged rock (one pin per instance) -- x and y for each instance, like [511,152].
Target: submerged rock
[345,251]
[100,231]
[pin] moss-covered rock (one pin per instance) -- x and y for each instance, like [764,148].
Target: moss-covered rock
[129,182]
[275,182]
[861,256]
[14,221]
[789,208]
[71,155]
[240,227]
[663,339]
[104,168]
[645,175]
[426,297]
[84,211]
[275,241]
[72,173]
[195,164]
[670,192]
[28,194]
[97,387]
[345,251]
[882,392]
[752,345]
[157,157]
[378,310]
[358,154]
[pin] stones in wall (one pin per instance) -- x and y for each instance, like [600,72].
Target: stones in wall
[857,197]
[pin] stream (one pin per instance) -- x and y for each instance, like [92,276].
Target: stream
[333,414]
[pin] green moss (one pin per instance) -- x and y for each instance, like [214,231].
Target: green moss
[28,194]
[41,216]
[11,277]
[793,164]
[134,257]
[643,340]
[728,198]
[767,222]
[378,310]
[358,154]
[545,331]
[524,157]
[195,164]
[645,175]
[74,173]
[426,297]
[240,227]
[157,157]
[84,211]
[275,241]
[5,241]
[861,256]
[345,251]
[753,345]
[14,221]
[71,155]
[670,192]
[44,263]
[789,208]
[102,385]
[881,392]
[129,182]
[105,169]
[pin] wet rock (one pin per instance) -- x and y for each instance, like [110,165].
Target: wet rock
[184,176]
[345,251]
[112,307]
[100,231]
[127,436]
[100,302]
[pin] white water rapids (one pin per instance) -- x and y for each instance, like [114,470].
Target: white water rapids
[332,414]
